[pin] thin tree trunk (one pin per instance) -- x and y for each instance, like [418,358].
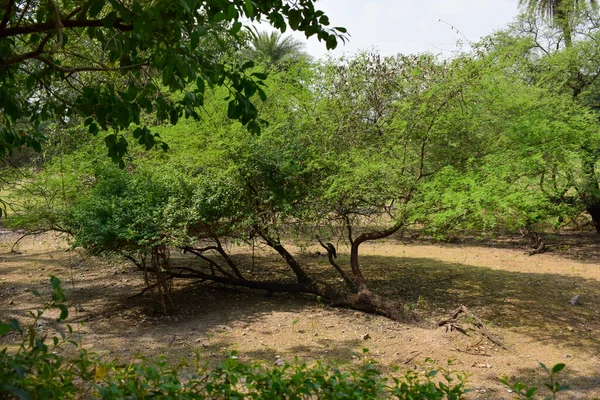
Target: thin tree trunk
[359,278]
[594,211]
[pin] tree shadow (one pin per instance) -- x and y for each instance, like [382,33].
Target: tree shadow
[580,246]
[537,304]
[581,386]
[534,304]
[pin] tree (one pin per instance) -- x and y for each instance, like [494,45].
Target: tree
[348,148]
[273,48]
[109,62]
[559,11]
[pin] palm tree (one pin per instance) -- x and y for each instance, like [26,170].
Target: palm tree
[273,47]
[559,11]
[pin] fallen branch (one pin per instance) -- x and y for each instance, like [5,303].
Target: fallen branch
[140,294]
[477,323]
[412,358]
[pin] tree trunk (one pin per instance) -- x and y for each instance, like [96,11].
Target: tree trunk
[359,278]
[367,301]
[594,211]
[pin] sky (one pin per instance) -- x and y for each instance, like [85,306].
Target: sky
[412,26]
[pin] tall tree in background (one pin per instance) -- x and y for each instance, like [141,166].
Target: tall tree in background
[273,47]
[559,11]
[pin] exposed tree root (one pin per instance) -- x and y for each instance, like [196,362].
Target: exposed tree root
[478,325]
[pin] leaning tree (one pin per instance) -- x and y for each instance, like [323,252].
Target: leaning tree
[348,148]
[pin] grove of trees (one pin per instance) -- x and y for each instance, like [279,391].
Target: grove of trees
[334,153]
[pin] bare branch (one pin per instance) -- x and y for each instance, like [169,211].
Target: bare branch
[20,57]
[58,25]
[51,25]
[331,255]
[85,69]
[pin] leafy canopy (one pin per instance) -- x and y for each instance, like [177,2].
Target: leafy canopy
[110,61]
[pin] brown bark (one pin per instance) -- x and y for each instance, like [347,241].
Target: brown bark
[368,302]
[594,211]
[359,278]
[365,301]
[289,259]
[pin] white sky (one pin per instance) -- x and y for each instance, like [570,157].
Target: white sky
[412,26]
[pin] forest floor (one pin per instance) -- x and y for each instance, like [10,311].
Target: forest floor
[524,300]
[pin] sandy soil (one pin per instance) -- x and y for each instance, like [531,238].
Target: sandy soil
[525,300]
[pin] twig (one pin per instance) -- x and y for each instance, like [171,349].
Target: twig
[478,324]
[142,292]
[412,358]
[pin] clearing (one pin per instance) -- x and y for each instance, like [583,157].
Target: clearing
[525,300]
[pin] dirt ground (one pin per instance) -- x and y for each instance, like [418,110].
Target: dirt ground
[525,300]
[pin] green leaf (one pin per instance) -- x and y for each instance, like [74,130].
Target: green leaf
[40,345]
[219,17]
[96,8]
[235,28]
[4,328]
[64,312]
[249,8]
[259,75]
[14,325]
[558,367]
[247,64]
[233,110]
[110,20]
[295,18]
[331,42]
[530,393]
[54,282]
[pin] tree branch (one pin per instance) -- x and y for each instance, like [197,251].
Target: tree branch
[20,57]
[51,25]
[7,14]
[291,261]
[331,254]
[198,253]
[85,69]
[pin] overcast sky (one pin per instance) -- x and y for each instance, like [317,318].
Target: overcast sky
[413,26]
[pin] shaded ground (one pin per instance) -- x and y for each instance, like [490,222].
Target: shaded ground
[523,299]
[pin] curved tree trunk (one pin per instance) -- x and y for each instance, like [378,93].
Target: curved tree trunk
[594,211]
[359,278]
[357,296]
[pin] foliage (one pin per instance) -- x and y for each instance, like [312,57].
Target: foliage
[108,62]
[525,391]
[560,12]
[272,48]
[35,369]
